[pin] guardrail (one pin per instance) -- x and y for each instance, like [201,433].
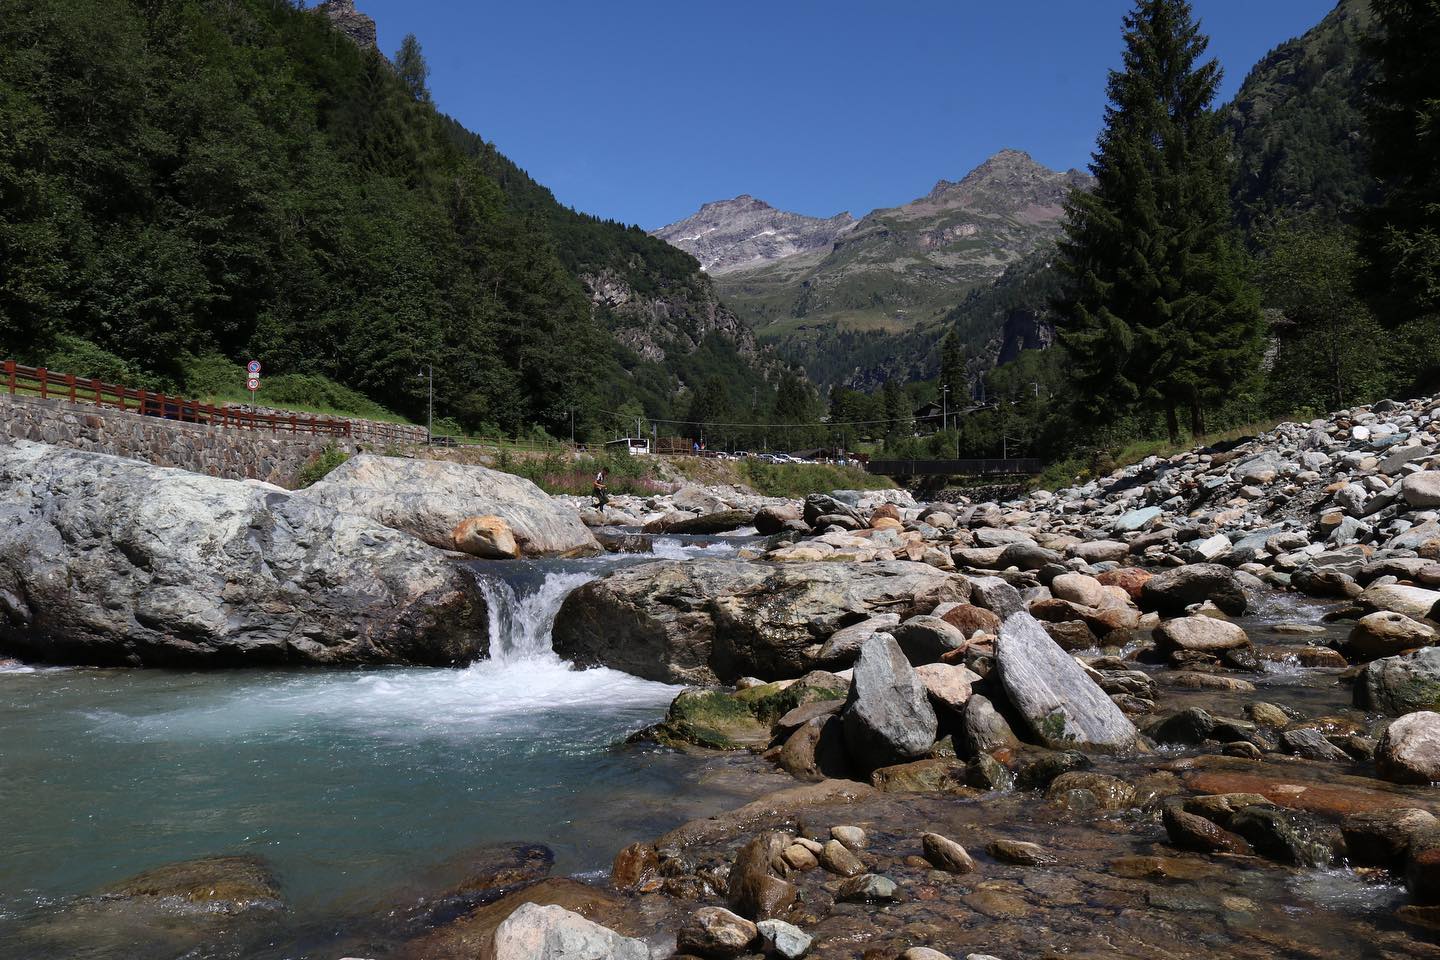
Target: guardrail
[47,385]
[957,468]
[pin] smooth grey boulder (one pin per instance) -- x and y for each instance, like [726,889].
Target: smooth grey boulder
[1401,684]
[984,729]
[1059,702]
[429,499]
[1422,490]
[111,561]
[887,718]
[716,620]
[535,932]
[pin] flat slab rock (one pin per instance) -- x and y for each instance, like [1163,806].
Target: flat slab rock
[1062,706]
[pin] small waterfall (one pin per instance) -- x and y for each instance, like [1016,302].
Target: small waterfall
[521,620]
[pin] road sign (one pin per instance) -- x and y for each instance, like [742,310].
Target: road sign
[253,384]
[253,368]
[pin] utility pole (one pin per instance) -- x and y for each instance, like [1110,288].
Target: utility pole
[430,402]
[944,407]
[572,426]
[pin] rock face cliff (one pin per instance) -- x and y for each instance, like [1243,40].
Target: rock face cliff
[351,22]
[668,325]
[743,233]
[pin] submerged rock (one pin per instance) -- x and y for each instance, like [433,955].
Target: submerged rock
[112,561]
[430,498]
[1409,750]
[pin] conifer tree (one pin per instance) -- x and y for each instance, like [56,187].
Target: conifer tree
[1403,114]
[410,66]
[1158,314]
[952,368]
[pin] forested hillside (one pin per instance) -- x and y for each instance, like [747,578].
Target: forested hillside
[186,178]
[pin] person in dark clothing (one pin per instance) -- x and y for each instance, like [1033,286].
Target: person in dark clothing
[599,491]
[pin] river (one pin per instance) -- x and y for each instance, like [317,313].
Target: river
[361,788]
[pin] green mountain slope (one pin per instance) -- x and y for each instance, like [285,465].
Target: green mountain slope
[184,177]
[1297,122]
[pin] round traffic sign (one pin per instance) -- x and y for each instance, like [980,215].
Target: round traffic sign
[253,383]
[253,367]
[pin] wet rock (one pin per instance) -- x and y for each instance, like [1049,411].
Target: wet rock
[838,859]
[774,518]
[753,889]
[1200,634]
[984,729]
[925,639]
[715,932]
[868,887]
[816,751]
[536,932]
[634,866]
[1381,838]
[923,953]
[1190,831]
[1422,865]
[1039,773]
[1288,836]
[221,884]
[1401,684]
[1268,714]
[1171,592]
[1072,635]
[1386,634]
[945,854]
[1312,745]
[1059,702]
[888,717]
[854,838]
[920,776]
[1189,726]
[1409,750]
[984,772]
[1102,793]
[784,940]
[1019,852]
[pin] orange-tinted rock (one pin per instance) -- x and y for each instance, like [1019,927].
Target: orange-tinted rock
[1129,579]
[635,865]
[969,618]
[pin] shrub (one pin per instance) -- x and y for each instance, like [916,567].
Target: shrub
[316,470]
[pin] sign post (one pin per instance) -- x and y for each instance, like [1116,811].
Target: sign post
[252,378]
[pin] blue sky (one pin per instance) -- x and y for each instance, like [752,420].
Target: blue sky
[641,110]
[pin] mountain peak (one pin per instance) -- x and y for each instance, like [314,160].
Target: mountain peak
[727,235]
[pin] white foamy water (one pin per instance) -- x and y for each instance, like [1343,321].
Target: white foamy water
[672,549]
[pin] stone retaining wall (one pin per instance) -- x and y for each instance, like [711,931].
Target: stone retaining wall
[232,454]
[373,432]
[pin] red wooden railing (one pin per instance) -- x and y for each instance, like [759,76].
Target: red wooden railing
[45,384]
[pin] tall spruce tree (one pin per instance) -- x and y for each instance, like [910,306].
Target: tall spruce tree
[1158,314]
[952,368]
[1403,113]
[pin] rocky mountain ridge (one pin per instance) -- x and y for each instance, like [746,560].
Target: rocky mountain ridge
[736,234]
[896,270]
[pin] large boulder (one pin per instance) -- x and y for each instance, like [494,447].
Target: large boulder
[1401,684]
[1200,634]
[888,718]
[1409,750]
[1385,634]
[550,932]
[1059,702]
[430,498]
[1174,590]
[1422,490]
[716,620]
[112,561]
[1415,602]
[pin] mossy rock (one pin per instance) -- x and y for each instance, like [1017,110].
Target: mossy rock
[742,719]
